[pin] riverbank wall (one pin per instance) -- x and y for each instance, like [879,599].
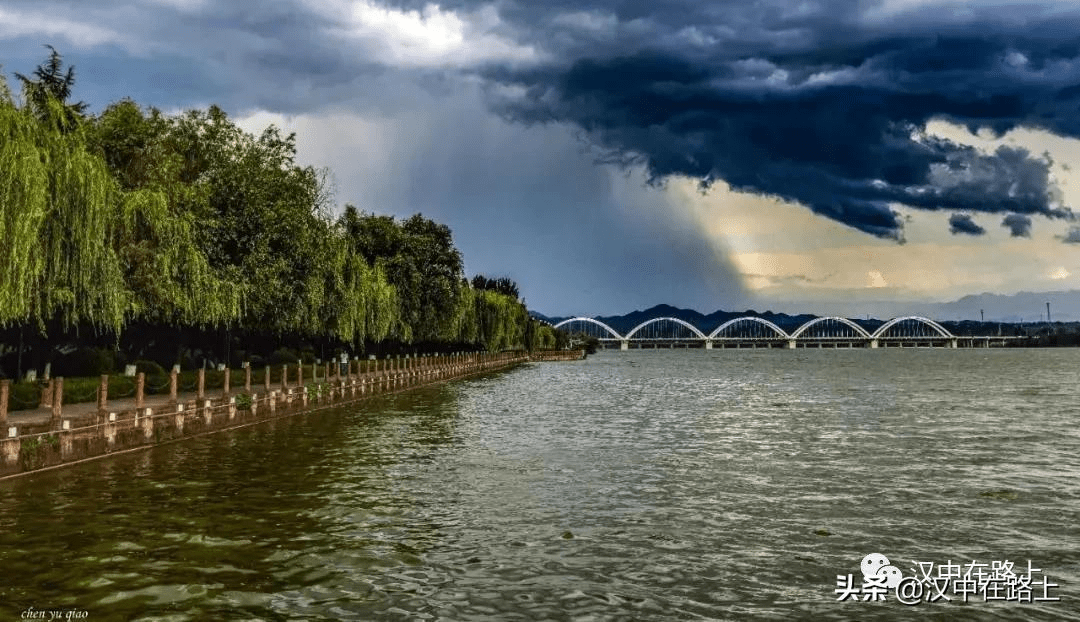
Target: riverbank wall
[52,437]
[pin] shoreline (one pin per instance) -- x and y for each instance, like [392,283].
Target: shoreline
[64,441]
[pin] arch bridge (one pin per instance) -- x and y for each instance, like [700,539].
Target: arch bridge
[755,332]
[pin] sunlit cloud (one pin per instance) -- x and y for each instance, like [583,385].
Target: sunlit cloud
[876,279]
[428,37]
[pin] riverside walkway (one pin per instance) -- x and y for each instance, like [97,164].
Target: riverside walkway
[57,433]
[43,414]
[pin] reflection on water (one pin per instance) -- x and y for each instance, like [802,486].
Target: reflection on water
[633,485]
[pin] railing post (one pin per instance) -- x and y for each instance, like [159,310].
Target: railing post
[140,385]
[103,394]
[247,377]
[200,390]
[57,401]
[300,375]
[284,376]
[266,380]
[5,388]
[174,381]
[225,384]
[46,395]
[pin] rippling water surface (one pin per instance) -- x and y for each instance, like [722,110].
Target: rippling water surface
[641,485]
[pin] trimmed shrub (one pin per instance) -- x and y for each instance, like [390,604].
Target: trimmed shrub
[150,368]
[284,356]
[85,362]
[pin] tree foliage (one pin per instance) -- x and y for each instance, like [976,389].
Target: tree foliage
[503,285]
[134,216]
[48,91]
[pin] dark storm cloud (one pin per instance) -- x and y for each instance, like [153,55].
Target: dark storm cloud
[1019,226]
[826,106]
[962,223]
[1072,237]
[527,203]
[182,53]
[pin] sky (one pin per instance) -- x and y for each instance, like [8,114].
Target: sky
[610,156]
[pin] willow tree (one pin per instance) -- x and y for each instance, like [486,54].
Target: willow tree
[170,279]
[58,206]
[367,305]
[24,181]
[157,233]
[468,323]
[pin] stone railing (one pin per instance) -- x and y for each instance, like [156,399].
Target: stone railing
[50,436]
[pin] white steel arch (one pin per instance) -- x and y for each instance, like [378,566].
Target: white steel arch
[782,333]
[692,328]
[589,319]
[843,320]
[918,318]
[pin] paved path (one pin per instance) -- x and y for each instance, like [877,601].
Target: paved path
[156,402]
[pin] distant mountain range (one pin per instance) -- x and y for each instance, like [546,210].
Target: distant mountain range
[1025,307]
[1015,308]
[625,323]
[1019,307]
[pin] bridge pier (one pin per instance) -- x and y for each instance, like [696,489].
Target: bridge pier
[791,344]
[952,342]
[708,344]
[624,344]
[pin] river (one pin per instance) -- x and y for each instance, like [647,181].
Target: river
[639,485]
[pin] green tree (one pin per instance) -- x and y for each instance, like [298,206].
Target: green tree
[59,207]
[47,95]
[157,235]
[188,222]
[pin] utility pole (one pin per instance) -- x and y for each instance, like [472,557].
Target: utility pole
[982,318]
[1047,311]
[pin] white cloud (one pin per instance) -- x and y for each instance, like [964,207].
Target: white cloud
[432,37]
[15,24]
